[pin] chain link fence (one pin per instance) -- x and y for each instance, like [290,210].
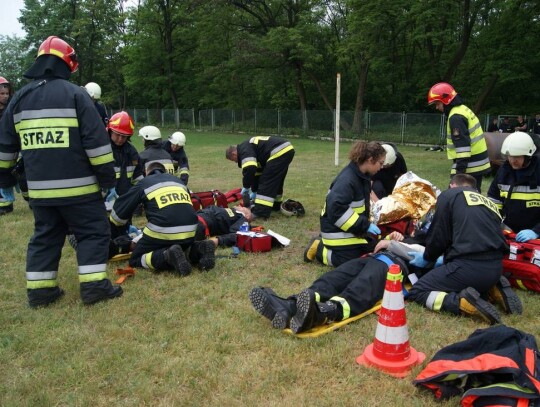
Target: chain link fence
[401,128]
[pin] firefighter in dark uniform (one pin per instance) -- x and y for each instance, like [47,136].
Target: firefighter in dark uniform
[465,142]
[516,187]
[68,162]
[221,224]
[153,151]
[171,227]
[264,162]
[347,291]
[346,232]
[466,243]
[127,164]
[6,92]
[384,181]
[175,147]
[94,90]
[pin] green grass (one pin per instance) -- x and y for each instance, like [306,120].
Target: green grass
[197,341]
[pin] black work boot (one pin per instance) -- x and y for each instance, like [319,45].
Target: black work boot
[311,313]
[4,210]
[277,309]
[96,291]
[207,251]
[41,297]
[470,303]
[176,258]
[503,295]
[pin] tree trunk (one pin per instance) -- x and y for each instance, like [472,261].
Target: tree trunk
[302,98]
[481,101]
[359,104]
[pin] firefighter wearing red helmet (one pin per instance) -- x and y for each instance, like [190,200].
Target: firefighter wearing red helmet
[465,142]
[126,158]
[68,162]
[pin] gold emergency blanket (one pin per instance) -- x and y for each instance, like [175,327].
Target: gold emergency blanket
[412,197]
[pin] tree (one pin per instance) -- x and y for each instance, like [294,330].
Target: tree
[13,61]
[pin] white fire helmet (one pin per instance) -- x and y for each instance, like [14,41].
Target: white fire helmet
[178,139]
[150,133]
[93,89]
[517,144]
[390,155]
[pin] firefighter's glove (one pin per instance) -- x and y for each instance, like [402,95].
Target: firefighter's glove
[248,190]
[439,262]
[526,235]
[418,260]
[111,195]
[374,229]
[252,195]
[133,230]
[7,193]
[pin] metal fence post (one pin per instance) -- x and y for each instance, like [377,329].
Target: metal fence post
[212,119]
[403,124]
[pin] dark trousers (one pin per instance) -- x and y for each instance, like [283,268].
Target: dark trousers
[270,184]
[455,276]
[88,222]
[338,255]
[360,282]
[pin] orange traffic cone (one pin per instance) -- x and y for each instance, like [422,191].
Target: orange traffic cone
[390,350]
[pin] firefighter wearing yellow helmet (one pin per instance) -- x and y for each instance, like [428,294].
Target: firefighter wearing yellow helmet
[175,147]
[68,163]
[465,142]
[516,186]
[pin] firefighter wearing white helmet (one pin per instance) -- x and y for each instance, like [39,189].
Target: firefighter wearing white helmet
[175,147]
[384,181]
[94,90]
[516,186]
[153,151]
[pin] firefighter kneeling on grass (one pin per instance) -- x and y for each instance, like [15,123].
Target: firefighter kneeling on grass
[466,244]
[168,241]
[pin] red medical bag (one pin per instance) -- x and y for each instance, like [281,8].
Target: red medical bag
[254,242]
[522,265]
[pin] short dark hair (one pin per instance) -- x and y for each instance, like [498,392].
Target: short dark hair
[229,152]
[464,180]
[155,167]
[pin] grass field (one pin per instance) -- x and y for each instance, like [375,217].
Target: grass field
[196,341]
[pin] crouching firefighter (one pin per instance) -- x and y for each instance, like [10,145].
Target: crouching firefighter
[349,290]
[466,243]
[168,240]
[264,162]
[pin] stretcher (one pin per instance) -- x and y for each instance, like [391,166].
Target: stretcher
[120,257]
[327,328]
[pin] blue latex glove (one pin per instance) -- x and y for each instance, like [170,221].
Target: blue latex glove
[7,193]
[439,262]
[248,190]
[374,229]
[526,235]
[133,229]
[252,195]
[111,195]
[418,259]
